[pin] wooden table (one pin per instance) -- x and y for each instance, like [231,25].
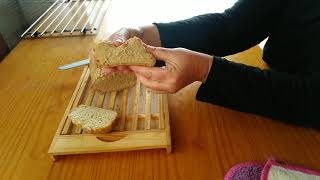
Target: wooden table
[207,139]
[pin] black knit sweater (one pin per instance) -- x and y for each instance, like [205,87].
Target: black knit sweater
[290,90]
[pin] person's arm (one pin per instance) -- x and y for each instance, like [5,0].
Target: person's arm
[242,26]
[270,93]
[278,95]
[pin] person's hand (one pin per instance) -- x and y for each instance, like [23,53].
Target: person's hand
[123,34]
[183,67]
[149,34]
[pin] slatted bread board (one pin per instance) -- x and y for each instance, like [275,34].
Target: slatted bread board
[142,122]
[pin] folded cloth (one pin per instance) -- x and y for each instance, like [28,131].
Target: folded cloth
[272,170]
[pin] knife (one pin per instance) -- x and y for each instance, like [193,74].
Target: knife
[74,64]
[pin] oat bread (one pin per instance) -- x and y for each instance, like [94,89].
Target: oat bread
[132,52]
[113,82]
[92,119]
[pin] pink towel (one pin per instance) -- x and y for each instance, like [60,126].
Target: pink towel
[272,170]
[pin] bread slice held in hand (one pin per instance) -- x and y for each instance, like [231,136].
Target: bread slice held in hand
[132,52]
[92,119]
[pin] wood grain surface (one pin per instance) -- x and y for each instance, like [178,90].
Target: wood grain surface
[207,140]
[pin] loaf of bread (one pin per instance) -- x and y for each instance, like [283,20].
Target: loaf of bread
[132,52]
[92,119]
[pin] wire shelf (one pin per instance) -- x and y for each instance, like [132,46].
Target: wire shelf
[69,18]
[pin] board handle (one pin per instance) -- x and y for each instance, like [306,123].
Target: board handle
[111,138]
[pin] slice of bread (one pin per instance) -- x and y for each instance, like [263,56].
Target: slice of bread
[113,82]
[92,119]
[132,52]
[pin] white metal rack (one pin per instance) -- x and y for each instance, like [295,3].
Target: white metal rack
[69,18]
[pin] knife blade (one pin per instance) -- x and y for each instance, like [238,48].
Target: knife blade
[74,64]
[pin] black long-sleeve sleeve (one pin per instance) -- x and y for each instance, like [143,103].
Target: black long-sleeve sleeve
[244,25]
[279,95]
[290,90]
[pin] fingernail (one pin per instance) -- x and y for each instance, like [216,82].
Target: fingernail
[119,40]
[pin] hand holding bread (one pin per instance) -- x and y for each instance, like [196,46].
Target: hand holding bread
[148,34]
[183,67]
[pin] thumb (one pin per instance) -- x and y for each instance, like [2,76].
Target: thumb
[159,53]
[119,37]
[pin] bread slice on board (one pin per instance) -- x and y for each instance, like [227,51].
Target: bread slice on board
[92,119]
[132,52]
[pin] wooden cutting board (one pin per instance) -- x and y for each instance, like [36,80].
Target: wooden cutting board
[142,122]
